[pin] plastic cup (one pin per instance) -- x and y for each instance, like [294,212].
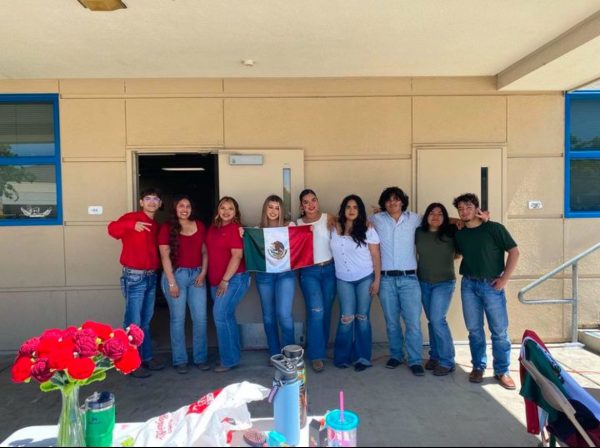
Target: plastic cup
[342,432]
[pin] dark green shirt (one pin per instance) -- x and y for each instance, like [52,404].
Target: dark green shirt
[483,249]
[435,257]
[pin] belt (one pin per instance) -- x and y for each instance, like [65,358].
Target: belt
[398,273]
[480,279]
[139,271]
[325,263]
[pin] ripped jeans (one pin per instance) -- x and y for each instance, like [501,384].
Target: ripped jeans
[354,334]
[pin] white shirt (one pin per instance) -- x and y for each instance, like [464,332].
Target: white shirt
[398,251]
[321,250]
[352,262]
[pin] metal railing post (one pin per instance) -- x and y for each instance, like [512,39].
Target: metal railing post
[575,312]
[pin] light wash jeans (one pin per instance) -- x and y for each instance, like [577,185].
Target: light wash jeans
[401,297]
[277,298]
[224,307]
[139,291]
[354,334]
[318,287]
[194,298]
[436,302]
[479,297]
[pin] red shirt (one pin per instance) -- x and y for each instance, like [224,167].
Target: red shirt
[189,253]
[140,249]
[219,242]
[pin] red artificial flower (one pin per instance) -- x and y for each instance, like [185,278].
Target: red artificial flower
[21,370]
[81,368]
[129,362]
[70,332]
[103,331]
[61,354]
[29,347]
[48,342]
[136,335]
[41,370]
[115,348]
[85,343]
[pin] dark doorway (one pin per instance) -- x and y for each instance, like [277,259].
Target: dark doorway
[194,175]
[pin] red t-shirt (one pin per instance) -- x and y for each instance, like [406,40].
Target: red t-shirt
[189,253]
[140,249]
[219,242]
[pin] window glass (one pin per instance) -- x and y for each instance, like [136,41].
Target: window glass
[28,192]
[26,130]
[585,124]
[585,185]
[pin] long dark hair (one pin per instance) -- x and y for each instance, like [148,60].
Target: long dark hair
[446,230]
[175,227]
[359,226]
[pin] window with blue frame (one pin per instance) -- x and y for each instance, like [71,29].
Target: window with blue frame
[582,144]
[30,187]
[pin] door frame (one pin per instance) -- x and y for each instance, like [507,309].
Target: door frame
[455,146]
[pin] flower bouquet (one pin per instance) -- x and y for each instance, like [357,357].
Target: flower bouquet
[67,359]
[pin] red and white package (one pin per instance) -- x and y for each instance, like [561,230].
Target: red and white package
[207,422]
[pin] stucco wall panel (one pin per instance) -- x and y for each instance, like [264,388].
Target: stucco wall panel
[29,86]
[92,86]
[94,183]
[315,86]
[589,302]
[580,235]
[540,245]
[459,119]
[105,306]
[174,121]
[528,180]
[33,257]
[92,256]
[320,126]
[92,128]
[27,314]
[536,124]
[178,86]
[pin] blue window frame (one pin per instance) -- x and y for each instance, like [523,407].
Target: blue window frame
[582,154]
[30,169]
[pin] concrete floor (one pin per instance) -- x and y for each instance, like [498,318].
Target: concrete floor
[396,408]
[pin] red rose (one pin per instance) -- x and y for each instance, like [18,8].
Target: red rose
[41,370]
[136,335]
[70,332]
[103,331]
[81,368]
[21,370]
[114,348]
[85,343]
[61,354]
[29,347]
[129,362]
[48,342]
[121,336]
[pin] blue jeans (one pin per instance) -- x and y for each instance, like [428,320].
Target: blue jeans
[401,297]
[479,297]
[318,287]
[228,333]
[436,302]
[139,291]
[195,298]
[354,335]
[277,298]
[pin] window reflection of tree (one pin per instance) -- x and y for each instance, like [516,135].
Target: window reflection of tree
[9,176]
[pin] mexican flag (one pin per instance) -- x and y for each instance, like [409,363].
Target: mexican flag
[278,249]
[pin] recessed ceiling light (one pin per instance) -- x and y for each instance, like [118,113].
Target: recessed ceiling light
[184,169]
[248,62]
[103,5]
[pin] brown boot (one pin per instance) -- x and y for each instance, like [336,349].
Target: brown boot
[476,376]
[318,366]
[506,381]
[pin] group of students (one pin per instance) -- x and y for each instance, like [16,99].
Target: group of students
[405,259]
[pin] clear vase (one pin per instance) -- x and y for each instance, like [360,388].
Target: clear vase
[70,424]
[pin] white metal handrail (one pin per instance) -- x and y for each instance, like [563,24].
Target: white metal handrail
[574,300]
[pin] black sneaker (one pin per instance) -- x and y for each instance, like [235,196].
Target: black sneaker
[359,367]
[417,370]
[142,372]
[153,365]
[182,369]
[392,363]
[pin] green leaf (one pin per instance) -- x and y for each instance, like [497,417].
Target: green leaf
[48,386]
[97,376]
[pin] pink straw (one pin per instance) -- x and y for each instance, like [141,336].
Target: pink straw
[341,405]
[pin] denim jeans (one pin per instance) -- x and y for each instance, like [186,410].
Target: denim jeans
[318,287]
[228,333]
[139,291]
[277,298]
[354,335]
[194,298]
[479,297]
[436,302]
[401,297]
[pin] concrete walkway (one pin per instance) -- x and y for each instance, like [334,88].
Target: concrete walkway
[396,408]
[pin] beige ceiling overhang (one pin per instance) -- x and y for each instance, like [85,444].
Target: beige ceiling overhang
[528,45]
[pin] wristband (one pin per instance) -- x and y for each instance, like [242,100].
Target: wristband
[172,285]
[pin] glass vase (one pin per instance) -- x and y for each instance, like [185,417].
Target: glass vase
[70,424]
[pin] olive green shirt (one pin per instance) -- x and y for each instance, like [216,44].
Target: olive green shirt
[435,257]
[483,249]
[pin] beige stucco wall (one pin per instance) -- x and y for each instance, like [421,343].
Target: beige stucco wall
[357,136]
